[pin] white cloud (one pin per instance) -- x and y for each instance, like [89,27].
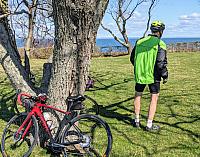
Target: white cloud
[136,15]
[190,21]
[135,26]
[111,24]
[192,17]
[187,25]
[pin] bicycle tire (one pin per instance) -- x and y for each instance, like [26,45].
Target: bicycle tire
[90,106]
[92,143]
[30,139]
[17,108]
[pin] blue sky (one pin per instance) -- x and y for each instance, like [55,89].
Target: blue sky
[181,17]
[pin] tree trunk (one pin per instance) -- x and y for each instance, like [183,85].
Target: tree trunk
[10,59]
[31,24]
[29,39]
[129,48]
[28,44]
[76,25]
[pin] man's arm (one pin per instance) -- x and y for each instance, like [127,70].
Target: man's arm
[162,63]
[132,56]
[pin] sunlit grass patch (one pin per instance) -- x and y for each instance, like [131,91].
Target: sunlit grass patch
[177,113]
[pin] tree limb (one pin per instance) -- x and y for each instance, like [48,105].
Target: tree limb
[149,16]
[26,3]
[4,15]
[115,37]
[100,10]
[138,3]
[14,13]
[127,6]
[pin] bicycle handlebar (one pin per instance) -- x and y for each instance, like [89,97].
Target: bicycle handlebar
[22,96]
[26,100]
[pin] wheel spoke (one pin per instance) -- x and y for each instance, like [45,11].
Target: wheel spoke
[93,133]
[12,144]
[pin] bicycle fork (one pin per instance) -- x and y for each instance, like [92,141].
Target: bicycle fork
[18,135]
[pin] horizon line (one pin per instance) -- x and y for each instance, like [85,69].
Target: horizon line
[140,37]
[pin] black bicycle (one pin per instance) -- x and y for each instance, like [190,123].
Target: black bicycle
[79,135]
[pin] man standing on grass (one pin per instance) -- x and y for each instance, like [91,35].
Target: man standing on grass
[150,65]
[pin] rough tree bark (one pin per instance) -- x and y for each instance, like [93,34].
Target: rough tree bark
[76,25]
[9,56]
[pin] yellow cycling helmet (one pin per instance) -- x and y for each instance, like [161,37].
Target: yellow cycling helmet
[157,26]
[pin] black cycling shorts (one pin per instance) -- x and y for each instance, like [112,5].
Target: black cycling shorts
[154,87]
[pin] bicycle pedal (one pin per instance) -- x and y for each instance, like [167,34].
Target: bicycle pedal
[54,147]
[57,149]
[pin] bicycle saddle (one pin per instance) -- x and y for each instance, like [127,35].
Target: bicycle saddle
[76,98]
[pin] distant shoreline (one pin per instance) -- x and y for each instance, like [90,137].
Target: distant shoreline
[162,38]
[112,42]
[107,42]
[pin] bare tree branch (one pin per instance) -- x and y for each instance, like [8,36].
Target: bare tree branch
[114,36]
[138,3]
[4,15]
[14,13]
[121,13]
[39,12]
[127,6]
[18,5]
[149,16]
[26,3]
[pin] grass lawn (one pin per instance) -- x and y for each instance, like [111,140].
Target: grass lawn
[178,112]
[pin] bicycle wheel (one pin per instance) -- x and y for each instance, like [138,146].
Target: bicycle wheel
[87,135]
[18,108]
[15,105]
[12,144]
[90,106]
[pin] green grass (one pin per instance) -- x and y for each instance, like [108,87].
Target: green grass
[178,111]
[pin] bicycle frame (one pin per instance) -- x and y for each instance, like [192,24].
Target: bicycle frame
[37,112]
[73,130]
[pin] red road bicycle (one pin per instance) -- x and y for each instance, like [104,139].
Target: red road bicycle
[80,135]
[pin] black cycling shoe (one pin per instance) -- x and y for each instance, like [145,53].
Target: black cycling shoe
[136,124]
[153,128]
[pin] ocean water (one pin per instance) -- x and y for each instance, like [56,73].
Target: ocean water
[111,42]
[104,45]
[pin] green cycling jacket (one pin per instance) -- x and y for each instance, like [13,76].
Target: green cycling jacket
[146,50]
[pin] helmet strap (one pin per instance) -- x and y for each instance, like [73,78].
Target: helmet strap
[157,34]
[160,33]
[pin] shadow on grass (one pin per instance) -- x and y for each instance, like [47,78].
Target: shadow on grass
[99,78]
[110,111]
[113,111]
[7,105]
